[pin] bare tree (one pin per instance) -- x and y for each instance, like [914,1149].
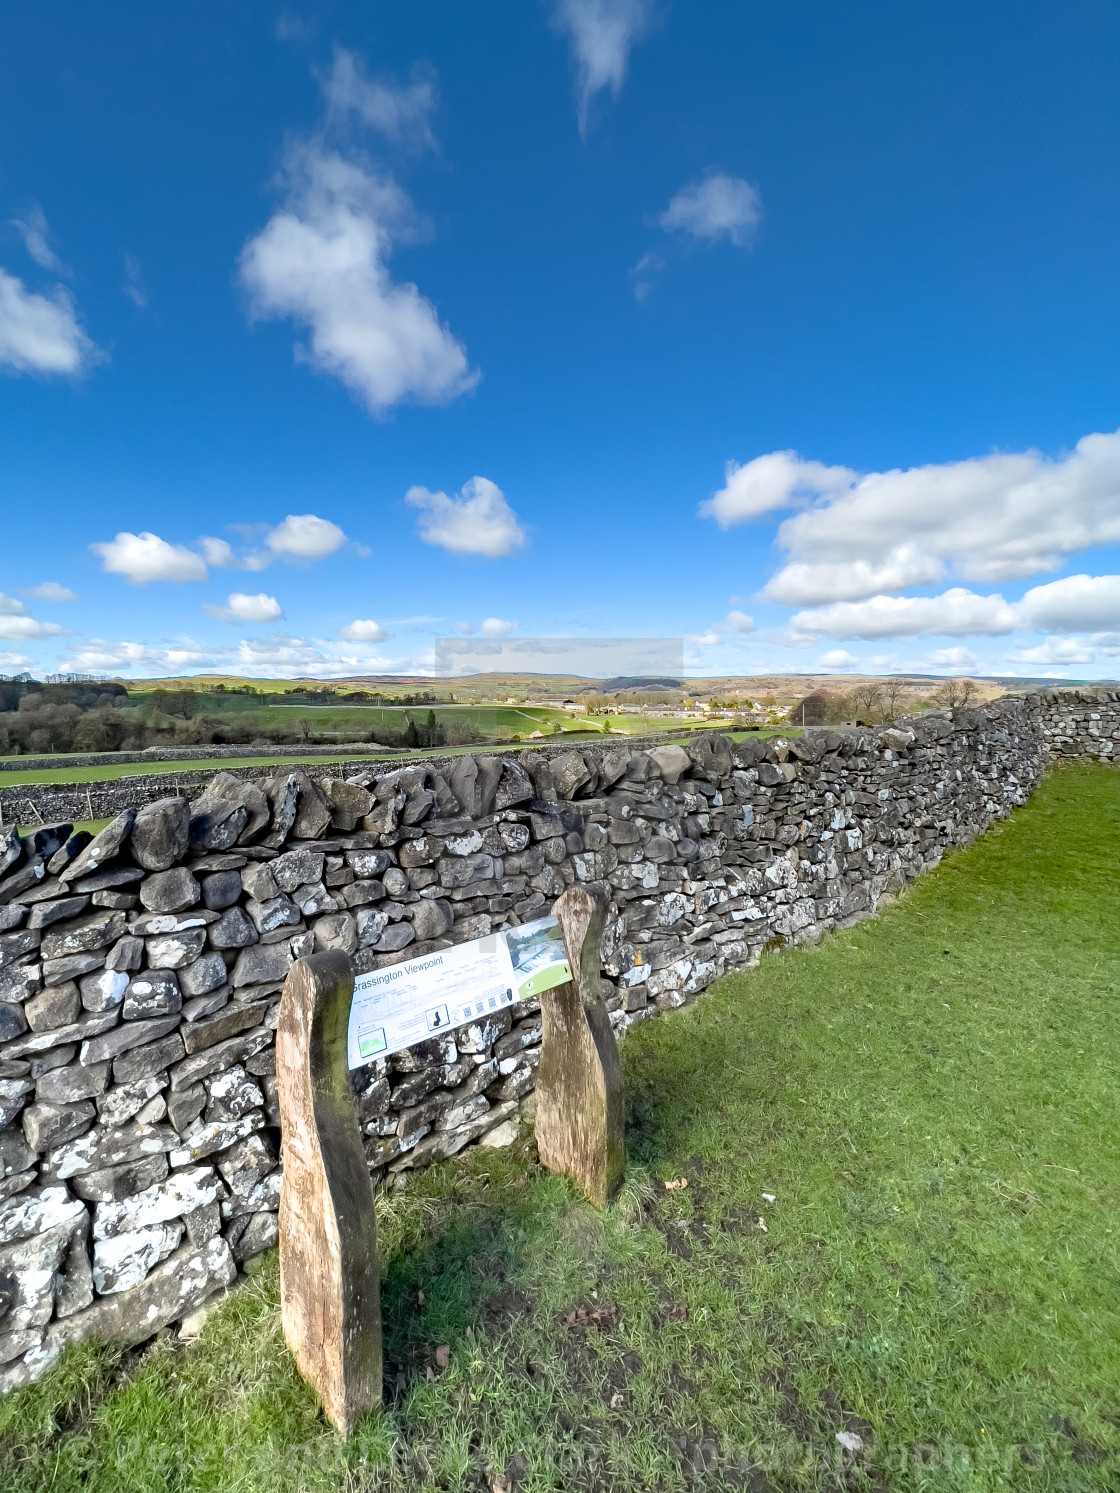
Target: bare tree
[866,701]
[954,694]
[894,695]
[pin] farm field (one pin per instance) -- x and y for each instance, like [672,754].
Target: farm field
[868,1240]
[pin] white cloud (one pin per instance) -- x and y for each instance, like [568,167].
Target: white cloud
[494,627]
[601,33]
[955,613]
[50,591]
[838,660]
[366,631]
[321,260]
[42,334]
[302,536]
[243,608]
[1079,603]
[17,626]
[478,521]
[953,660]
[219,553]
[402,114]
[707,639]
[644,273]
[134,287]
[990,518]
[99,656]
[770,482]
[36,236]
[1056,651]
[739,622]
[145,557]
[10,659]
[716,207]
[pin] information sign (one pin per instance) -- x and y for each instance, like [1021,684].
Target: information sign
[406,1003]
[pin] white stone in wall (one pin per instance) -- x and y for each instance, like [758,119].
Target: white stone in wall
[124,1261]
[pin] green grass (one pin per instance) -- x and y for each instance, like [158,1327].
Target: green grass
[931,1097]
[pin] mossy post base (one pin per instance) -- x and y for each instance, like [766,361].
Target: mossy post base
[329,1276]
[580,1098]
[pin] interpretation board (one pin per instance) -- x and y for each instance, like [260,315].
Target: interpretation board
[415,1000]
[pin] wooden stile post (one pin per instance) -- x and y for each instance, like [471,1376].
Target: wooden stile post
[580,1097]
[329,1276]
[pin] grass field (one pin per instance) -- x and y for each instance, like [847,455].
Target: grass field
[902,1151]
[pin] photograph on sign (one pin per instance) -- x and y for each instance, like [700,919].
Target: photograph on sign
[395,1008]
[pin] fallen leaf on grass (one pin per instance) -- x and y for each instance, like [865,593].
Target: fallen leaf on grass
[762,1224]
[617,1400]
[769,1197]
[420,1298]
[443,1356]
[500,1484]
[583,1318]
[678,1313]
[676,1184]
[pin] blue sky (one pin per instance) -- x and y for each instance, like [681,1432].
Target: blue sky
[332,329]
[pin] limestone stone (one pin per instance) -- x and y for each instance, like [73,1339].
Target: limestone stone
[94,930]
[48,1125]
[346,803]
[126,1101]
[15,1154]
[216,1059]
[205,974]
[126,954]
[174,950]
[12,916]
[170,891]
[337,931]
[43,914]
[31,1213]
[199,1035]
[105,846]
[111,1184]
[153,992]
[367,864]
[146,1061]
[231,1095]
[217,1135]
[160,834]
[68,1085]
[59,1005]
[73,1285]
[132,1034]
[71,966]
[260,1234]
[233,930]
[27,1275]
[199,1006]
[123,1262]
[230,810]
[185,1107]
[12,1020]
[13,1097]
[13,946]
[182,1282]
[260,964]
[277,912]
[221,890]
[90,1025]
[183,1191]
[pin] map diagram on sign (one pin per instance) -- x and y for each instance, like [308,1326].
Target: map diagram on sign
[407,1003]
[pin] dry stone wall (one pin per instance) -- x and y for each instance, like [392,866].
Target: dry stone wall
[141,970]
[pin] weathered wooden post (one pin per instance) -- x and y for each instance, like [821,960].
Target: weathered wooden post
[580,1099]
[329,1276]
